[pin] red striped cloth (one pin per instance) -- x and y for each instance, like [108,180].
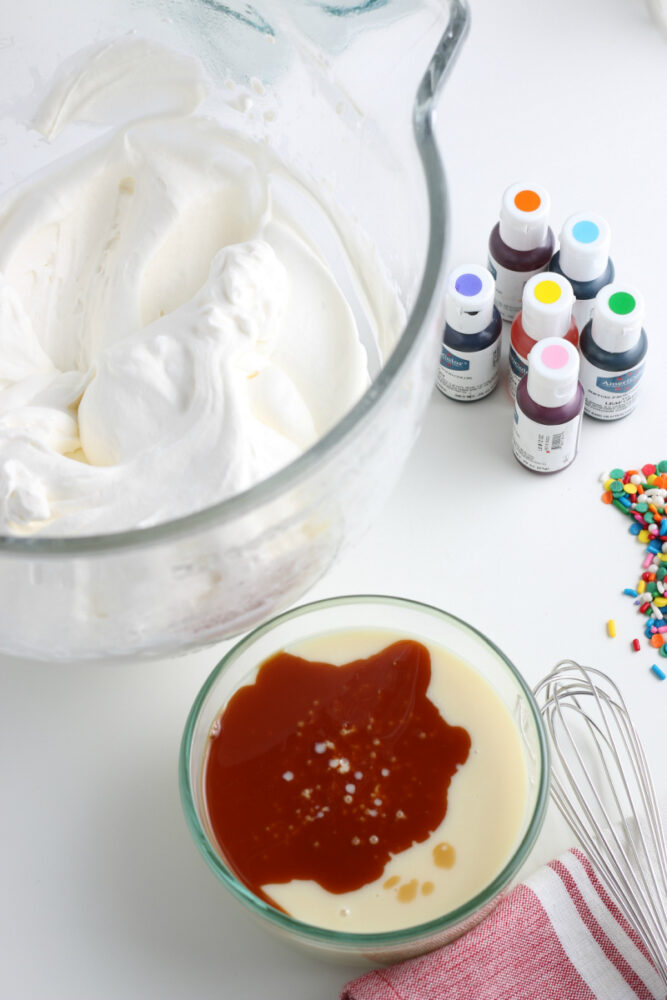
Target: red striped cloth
[557,936]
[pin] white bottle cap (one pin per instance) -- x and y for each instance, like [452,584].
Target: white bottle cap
[618,314]
[584,246]
[553,372]
[524,216]
[546,307]
[469,299]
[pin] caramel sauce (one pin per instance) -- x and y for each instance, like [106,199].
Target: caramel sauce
[408,891]
[324,772]
[444,855]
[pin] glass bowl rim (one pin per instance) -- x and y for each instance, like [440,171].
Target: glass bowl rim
[294,472]
[357,939]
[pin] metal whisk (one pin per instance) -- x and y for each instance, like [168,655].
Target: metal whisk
[602,785]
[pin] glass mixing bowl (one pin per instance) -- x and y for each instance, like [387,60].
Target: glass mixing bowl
[345,93]
[409,619]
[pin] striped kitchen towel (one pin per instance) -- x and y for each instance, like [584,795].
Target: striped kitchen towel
[557,936]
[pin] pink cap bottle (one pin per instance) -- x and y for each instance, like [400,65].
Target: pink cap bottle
[548,407]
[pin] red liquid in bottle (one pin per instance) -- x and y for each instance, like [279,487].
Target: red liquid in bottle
[521,344]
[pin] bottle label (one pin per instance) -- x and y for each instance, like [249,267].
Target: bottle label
[609,395]
[544,448]
[469,376]
[518,368]
[509,288]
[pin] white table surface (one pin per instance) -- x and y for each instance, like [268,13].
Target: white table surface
[103,894]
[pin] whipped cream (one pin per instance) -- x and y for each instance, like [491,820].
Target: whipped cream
[168,337]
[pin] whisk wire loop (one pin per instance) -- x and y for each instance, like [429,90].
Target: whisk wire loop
[601,783]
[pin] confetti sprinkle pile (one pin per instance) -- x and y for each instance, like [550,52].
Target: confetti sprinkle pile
[641,494]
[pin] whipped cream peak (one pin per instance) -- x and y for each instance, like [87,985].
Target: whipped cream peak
[23,498]
[248,285]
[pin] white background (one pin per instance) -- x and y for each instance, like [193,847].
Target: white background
[102,892]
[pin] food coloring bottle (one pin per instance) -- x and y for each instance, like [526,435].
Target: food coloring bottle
[470,358]
[613,347]
[583,258]
[521,244]
[546,312]
[548,407]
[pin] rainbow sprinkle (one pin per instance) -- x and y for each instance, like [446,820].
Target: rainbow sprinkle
[641,494]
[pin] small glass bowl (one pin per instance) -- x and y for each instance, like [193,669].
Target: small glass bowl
[420,621]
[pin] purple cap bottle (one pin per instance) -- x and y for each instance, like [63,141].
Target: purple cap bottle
[471,342]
